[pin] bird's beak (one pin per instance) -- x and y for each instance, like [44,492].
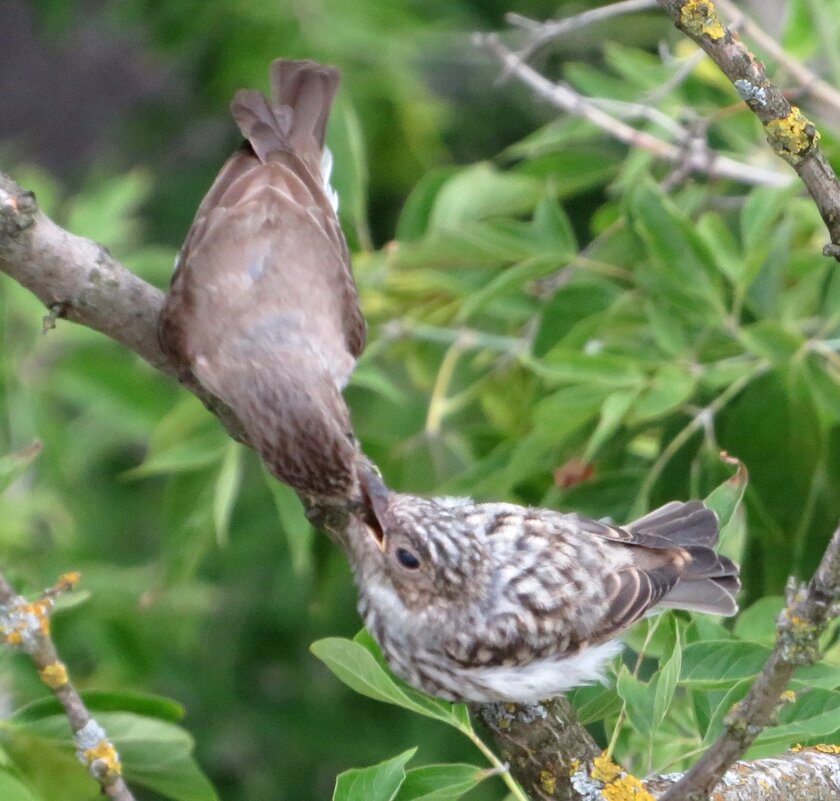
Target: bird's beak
[375,498]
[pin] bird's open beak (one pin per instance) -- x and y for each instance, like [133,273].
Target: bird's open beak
[375,498]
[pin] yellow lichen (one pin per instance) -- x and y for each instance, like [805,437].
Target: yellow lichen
[788,696]
[626,788]
[796,748]
[548,781]
[604,769]
[68,581]
[54,675]
[825,748]
[618,785]
[792,137]
[574,767]
[107,760]
[699,17]
[14,638]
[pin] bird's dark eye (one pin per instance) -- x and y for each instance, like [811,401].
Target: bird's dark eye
[407,559]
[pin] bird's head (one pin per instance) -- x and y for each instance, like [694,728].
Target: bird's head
[424,548]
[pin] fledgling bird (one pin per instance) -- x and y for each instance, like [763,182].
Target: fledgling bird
[485,602]
[263,308]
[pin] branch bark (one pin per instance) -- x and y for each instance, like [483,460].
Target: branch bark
[808,612]
[26,625]
[791,134]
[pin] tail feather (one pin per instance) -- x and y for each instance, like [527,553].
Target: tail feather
[709,582]
[703,595]
[691,523]
[296,120]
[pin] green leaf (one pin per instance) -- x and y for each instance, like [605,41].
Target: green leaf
[594,703]
[727,497]
[482,191]
[639,698]
[763,207]
[417,209]
[107,210]
[813,715]
[296,528]
[440,782]
[671,386]
[13,465]
[509,282]
[770,340]
[721,663]
[154,753]
[666,680]
[12,789]
[606,369]
[154,706]
[360,670]
[613,412]
[226,489]
[757,623]
[571,304]
[184,456]
[350,168]
[723,707]
[376,783]
[682,269]
[552,227]
[718,664]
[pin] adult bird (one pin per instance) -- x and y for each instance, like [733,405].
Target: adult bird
[263,308]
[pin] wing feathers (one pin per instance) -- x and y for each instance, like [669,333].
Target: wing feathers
[673,564]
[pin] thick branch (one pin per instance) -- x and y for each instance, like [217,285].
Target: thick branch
[809,774]
[79,280]
[543,744]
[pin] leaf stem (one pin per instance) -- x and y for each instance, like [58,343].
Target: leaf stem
[500,767]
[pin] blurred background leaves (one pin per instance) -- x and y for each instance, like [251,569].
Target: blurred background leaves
[547,325]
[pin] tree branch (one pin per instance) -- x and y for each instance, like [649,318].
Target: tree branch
[792,136]
[694,159]
[26,625]
[808,612]
[79,280]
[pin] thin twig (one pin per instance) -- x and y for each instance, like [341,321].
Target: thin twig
[544,32]
[572,102]
[25,625]
[810,608]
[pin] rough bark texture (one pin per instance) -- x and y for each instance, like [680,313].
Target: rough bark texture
[542,743]
[26,625]
[791,135]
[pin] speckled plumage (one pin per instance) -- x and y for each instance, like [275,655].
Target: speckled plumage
[263,309]
[506,603]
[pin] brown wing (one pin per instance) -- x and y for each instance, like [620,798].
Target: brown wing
[673,563]
[263,308]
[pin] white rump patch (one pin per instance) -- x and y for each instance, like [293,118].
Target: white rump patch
[326,171]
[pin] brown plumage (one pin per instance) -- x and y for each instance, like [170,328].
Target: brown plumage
[498,602]
[263,308]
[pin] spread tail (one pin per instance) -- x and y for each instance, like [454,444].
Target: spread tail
[709,582]
[296,119]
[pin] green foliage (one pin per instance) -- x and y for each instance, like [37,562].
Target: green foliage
[548,326]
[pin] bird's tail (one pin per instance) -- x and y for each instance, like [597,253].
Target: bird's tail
[709,582]
[295,121]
